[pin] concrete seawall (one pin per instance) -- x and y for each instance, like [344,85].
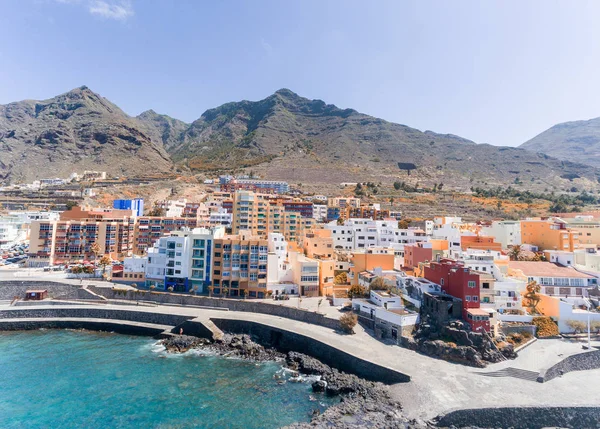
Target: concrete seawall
[209,325]
[94,313]
[285,341]
[118,326]
[523,417]
[579,362]
[230,304]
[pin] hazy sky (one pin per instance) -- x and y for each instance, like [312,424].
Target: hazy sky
[494,72]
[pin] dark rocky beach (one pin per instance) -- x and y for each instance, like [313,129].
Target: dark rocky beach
[363,403]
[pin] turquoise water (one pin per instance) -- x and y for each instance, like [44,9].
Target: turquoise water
[75,379]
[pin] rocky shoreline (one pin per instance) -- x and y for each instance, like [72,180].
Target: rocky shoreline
[363,403]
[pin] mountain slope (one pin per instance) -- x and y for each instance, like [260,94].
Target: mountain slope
[164,129]
[576,141]
[289,137]
[75,131]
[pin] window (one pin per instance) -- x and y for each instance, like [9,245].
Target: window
[178,263]
[471,283]
[468,298]
[442,282]
[475,298]
[486,285]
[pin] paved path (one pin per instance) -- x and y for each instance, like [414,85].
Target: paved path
[438,386]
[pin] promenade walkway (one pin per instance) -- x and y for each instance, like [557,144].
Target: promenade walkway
[437,386]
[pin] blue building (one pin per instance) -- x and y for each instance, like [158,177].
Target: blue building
[136,206]
[333,213]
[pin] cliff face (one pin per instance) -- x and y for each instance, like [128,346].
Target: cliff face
[285,136]
[289,137]
[75,131]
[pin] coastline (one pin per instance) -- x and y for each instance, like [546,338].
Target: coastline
[363,403]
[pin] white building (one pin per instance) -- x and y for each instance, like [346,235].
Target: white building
[172,208]
[182,260]
[366,233]
[506,232]
[320,212]
[14,227]
[220,217]
[387,313]
[553,279]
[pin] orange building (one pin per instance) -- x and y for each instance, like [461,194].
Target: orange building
[368,260]
[415,253]
[549,234]
[479,242]
[318,243]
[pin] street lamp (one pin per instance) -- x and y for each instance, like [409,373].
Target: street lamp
[589,307]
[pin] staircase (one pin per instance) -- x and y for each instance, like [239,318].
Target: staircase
[523,374]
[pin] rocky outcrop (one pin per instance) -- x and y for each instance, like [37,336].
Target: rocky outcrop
[182,343]
[363,404]
[243,347]
[455,343]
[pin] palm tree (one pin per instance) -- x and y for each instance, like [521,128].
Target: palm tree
[378,283]
[224,291]
[210,290]
[95,248]
[515,252]
[244,293]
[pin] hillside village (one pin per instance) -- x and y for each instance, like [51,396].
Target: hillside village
[413,282]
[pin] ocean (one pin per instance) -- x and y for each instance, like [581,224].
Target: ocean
[80,379]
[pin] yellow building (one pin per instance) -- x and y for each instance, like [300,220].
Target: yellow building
[549,234]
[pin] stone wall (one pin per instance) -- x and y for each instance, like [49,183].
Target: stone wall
[232,304]
[12,288]
[579,362]
[285,341]
[523,418]
[94,313]
[107,326]
[518,329]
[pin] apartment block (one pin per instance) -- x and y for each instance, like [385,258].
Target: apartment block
[549,234]
[506,232]
[71,241]
[182,260]
[148,229]
[240,263]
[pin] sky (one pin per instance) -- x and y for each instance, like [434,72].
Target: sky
[497,72]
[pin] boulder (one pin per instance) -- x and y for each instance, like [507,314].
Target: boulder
[319,386]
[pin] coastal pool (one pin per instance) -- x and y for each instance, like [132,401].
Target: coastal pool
[81,379]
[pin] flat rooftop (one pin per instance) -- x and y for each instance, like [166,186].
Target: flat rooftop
[546,269]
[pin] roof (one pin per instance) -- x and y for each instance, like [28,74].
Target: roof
[478,312]
[546,269]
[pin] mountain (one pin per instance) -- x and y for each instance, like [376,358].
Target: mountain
[164,129]
[577,141]
[289,137]
[283,137]
[73,132]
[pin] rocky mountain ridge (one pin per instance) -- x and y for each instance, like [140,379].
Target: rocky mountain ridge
[284,136]
[577,141]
